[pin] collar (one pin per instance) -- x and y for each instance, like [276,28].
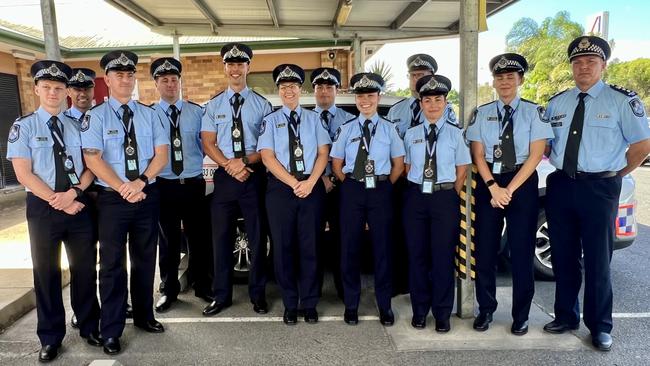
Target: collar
[594,91]
[331,109]
[44,116]
[244,93]
[514,104]
[74,112]
[287,111]
[165,106]
[374,119]
[117,106]
[439,123]
[411,99]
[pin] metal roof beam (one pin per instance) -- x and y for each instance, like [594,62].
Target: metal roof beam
[274,15]
[342,13]
[208,13]
[136,11]
[408,13]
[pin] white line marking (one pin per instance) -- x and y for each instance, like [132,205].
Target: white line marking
[622,315]
[250,319]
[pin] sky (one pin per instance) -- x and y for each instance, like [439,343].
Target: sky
[628,26]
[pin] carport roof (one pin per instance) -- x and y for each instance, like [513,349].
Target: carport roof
[323,19]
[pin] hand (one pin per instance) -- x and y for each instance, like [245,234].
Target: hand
[500,196]
[61,200]
[243,175]
[74,208]
[131,188]
[303,189]
[140,196]
[329,185]
[234,166]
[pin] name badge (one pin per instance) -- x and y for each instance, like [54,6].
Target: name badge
[418,141]
[602,116]
[111,132]
[356,139]
[492,118]
[280,125]
[41,138]
[220,116]
[556,124]
[558,117]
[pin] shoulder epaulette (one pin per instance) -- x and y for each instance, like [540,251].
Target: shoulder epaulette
[396,103]
[488,103]
[218,94]
[453,123]
[528,101]
[196,104]
[348,121]
[270,113]
[23,117]
[562,92]
[386,119]
[623,90]
[258,94]
[95,106]
[146,105]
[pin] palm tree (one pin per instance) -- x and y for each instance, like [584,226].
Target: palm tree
[383,69]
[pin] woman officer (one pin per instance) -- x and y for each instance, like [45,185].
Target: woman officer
[508,137]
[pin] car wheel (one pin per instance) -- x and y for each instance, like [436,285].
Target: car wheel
[542,261]
[242,252]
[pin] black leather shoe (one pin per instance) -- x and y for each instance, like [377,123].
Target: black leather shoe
[164,303]
[519,328]
[351,317]
[602,341]
[93,339]
[129,311]
[311,316]
[151,326]
[443,325]
[112,346]
[482,322]
[215,308]
[387,318]
[203,296]
[260,306]
[290,317]
[556,327]
[419,322]
[73,322]
[48,353]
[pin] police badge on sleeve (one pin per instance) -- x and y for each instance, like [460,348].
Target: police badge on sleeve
[263,127]
[14,133]
[637,107]
[337,134]
[85,124]
[542,114]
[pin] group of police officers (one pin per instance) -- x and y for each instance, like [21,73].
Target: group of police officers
[126,172]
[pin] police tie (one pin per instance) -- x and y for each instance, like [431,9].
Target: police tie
[237,132]
[570,164]
[177,142]
[132,172]
[362,154]
[61,183]
[325,115]
[431,161]
[415,113]
[508,140]
[293,143]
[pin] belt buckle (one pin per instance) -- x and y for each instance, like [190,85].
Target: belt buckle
[181,180]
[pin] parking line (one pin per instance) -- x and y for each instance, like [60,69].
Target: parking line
[621,315]
[251,319]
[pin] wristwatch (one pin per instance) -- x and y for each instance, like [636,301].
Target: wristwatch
[78,191]
[144,178]
[245,160]
[489,183]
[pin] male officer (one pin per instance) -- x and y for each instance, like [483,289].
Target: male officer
[601,134]
[326,82]
[125,145]
[294,145]
[45,150]
[81,90]
[230,129]
[367,157]
[181,184]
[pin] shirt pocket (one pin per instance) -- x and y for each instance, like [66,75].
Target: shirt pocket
[113,145]
[380,149]
[42,148]
[145,146]
[604,132]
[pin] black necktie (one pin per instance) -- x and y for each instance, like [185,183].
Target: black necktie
[570,164]
[61,182]
[81,118]
[236,100]
[175,138]
[293,144]
[415,113]
[325,115]
[509,158]
[362,154]
[130,144]
[432,137]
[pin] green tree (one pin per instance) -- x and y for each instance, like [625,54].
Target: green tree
[454,98]
[405,92]
[633,75]
[544,47]
[384,70]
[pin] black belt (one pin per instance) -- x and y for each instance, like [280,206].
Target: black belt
[505,170]
[590,175]
[436,187]
[196,179]
[380,178]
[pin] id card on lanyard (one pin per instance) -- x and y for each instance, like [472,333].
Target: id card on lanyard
[497,152]
[429,179]
[177,143]
[68,163]
[370,178]
[296,147]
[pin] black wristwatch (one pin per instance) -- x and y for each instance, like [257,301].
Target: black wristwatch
[245,160]
[332,178]
[78,191]
[144,178]
[489,183]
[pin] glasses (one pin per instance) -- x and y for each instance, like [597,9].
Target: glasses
[289,87]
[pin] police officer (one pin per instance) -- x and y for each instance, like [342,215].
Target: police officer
[507,142]
[181,183]
[436,165]
[326,82]
[45,150]
[230,129]
[601,134]
[81,90]
[294,144]
[125,145]
[367,157]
